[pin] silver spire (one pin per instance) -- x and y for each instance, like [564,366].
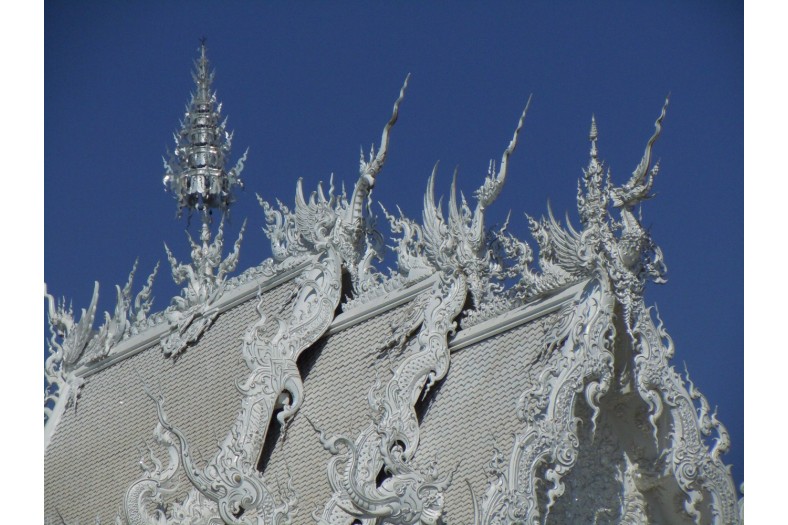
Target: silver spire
[196,171]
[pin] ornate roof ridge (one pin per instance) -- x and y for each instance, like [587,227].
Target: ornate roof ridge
[456,243]
[478,279]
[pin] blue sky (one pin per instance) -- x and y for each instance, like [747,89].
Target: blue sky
[305,86]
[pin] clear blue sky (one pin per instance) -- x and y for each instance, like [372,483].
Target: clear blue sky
[306,85]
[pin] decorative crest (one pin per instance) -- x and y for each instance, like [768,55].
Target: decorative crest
[196,171]
[195,310]
[459,242]
[616,249]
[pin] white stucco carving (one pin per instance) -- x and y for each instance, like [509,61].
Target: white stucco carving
[633,504]
[457,250]
[335,221]
[194,311]
[583,340]
[409,494]
[605,344]
[622,263]
[160,481]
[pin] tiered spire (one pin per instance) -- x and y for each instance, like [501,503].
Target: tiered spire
[195,172]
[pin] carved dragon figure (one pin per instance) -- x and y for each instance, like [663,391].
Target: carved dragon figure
[334,221]
[328,231]
[459,242]
[408,495]
[628,259]
[456,249]
[621,263]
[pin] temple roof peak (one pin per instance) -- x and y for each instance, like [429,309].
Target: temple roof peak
[196,172]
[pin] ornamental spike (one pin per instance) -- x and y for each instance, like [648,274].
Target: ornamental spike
[493,183]
[368,171]
[197,173]
[638,187]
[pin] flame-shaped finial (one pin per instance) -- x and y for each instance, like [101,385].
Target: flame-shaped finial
[592,136]
[202,76]
[196,171]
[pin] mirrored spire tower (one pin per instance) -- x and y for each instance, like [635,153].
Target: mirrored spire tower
[196,171]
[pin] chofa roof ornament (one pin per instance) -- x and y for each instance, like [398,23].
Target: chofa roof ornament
[196,171]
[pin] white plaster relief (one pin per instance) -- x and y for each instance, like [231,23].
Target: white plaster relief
[409,494]
[457,249]
[633,504]
[583,337]
[699,471]
[623,257]
[612,257]
[195,310]
[335,221]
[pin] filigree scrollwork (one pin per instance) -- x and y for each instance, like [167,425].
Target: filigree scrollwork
[408,495]
[158,483]
[231,483]
[698,471]
[195,310]
[73,344]
[584,364]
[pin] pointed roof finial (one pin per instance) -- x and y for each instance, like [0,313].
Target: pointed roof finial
[592,136]
[196,171]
